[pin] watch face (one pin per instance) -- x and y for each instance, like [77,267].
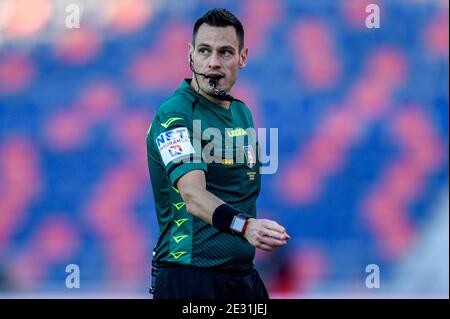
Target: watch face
[238,224]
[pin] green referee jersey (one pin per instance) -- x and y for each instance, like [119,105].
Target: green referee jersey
[179,140]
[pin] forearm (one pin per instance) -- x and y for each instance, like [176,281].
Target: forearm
[201,203]
[261,233]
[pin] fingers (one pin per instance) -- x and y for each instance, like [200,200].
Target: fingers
[277,231]
[270,224]
[272,242]
[266,243]
[266,234]
[264,247]
[270,238]
[277,237]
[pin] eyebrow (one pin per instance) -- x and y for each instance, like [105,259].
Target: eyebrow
[225,47]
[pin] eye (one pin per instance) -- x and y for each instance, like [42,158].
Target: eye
[227,53]
[203,50]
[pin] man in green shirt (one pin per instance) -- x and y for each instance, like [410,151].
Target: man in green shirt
[202,155]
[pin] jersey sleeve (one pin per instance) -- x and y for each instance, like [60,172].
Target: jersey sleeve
[174,141]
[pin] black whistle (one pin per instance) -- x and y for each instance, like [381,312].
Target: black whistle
[213,83]
[222,95]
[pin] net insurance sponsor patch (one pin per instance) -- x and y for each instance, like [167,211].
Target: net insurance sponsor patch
[174,143]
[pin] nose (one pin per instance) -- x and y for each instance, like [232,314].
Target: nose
[214,61]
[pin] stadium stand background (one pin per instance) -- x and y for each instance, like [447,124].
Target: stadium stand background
[362,118]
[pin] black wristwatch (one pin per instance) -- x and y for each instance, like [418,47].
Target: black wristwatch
[239,224]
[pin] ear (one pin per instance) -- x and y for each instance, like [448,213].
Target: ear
[190,51]
[243,58]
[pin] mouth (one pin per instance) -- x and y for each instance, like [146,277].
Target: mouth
[215,76]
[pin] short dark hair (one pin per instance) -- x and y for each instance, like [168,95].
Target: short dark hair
[220,17]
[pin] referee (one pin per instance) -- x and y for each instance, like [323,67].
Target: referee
[205,198]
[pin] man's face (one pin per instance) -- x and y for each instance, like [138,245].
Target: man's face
[216,54]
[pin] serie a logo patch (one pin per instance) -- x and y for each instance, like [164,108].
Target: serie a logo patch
[174,144]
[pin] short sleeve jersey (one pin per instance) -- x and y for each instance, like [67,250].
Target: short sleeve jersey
[189,132]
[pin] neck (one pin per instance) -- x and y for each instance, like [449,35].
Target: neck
[224,104]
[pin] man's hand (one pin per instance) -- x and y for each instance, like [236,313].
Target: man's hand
[265,234]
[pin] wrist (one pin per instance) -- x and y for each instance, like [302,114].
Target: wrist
[247,224]
[239,224]
[229,219]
